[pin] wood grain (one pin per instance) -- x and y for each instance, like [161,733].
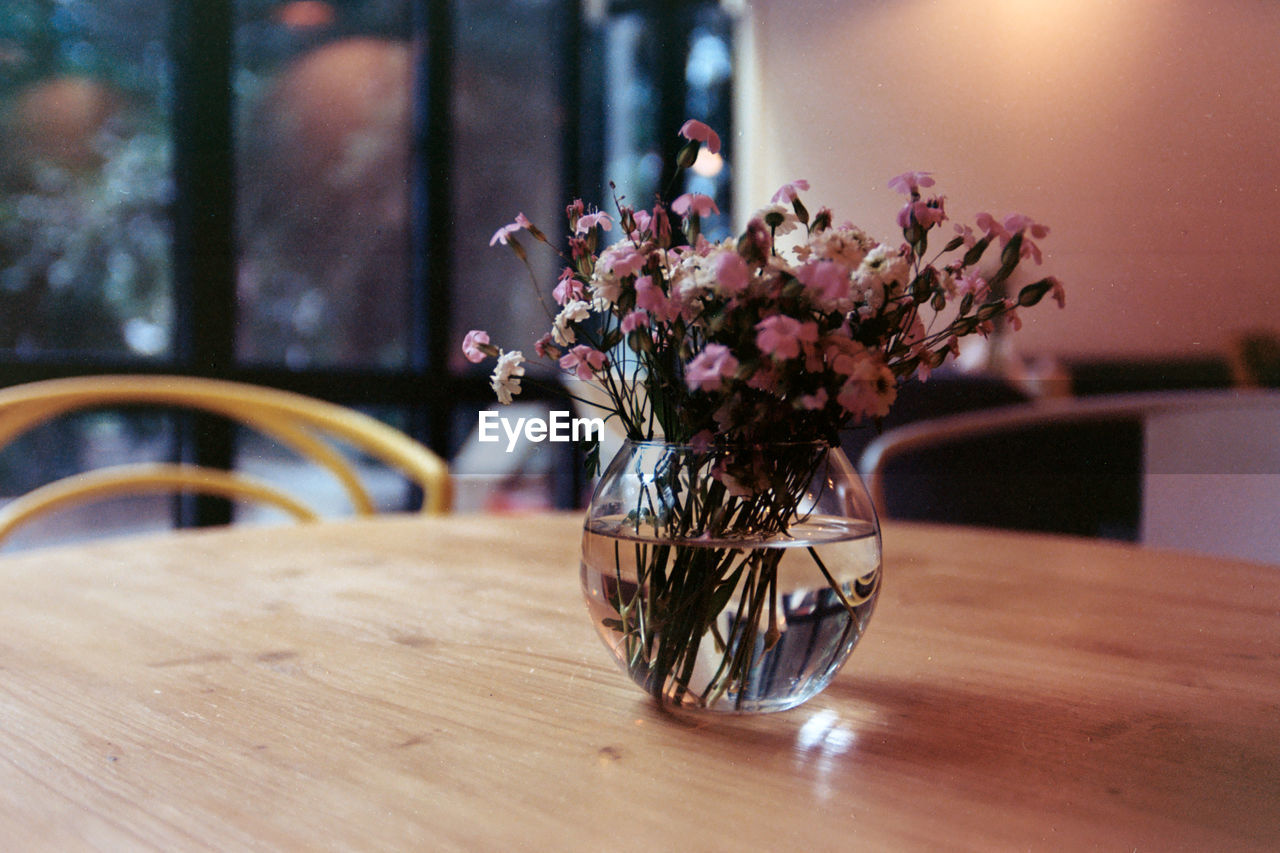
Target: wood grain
[413,683]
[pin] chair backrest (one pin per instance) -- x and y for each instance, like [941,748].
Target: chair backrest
[946,393]
[1195,470]
[306,425]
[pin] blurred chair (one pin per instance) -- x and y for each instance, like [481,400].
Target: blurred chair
[1255,359]
[947,392]
[1104,376]
[314,429]
[1193,470]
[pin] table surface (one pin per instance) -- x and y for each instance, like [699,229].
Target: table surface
[413,683]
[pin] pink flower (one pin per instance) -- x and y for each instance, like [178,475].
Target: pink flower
[924,362]
[643,220]
[703,205]
[732,274]
[701,441]
[828,280]
[925,213]
[764,379]
[569,289]
[815,401]
[843,354]
[544,347]
[628,261]
[987,224]
[573,211]
[909,183]
[696,130]
[635,320]
[471,345]
[503,234]
[650,297]
[590,220]
[1016,222]
[789,191]
[1059,293]
[732,485]
[583,361]
[780,336]
[1011,317]
[660,226]
[710,368]
[914,331]
[974,284]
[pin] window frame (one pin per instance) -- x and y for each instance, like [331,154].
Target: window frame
[200,42]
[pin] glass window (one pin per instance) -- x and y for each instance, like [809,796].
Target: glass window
[708,76]
[659,65]
[84,178]
[510,128]
[323,96]
[326,234]
[633,156]
[509,131]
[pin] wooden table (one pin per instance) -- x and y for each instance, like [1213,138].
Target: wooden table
[420,684]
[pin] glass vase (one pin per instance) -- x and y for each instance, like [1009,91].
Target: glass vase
[731,579]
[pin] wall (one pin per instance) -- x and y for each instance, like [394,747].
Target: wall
[1145,133]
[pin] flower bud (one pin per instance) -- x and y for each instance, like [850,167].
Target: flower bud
[688,154]
[535,232]
[802,212]
[660,225]
[640,340]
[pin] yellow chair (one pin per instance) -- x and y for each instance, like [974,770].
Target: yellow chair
[304,424]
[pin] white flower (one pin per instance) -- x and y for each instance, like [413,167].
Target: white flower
[847,245]
[505,380]
[882,273]
[789,220]
[695,275]
[604,291]
[616,263]
[574,311]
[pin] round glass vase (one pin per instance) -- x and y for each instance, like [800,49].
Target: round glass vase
[731,579]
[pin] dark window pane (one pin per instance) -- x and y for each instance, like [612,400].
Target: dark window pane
[709,97]
[84,178]
[640,52]
[632,107]
[322,157]
[508,126]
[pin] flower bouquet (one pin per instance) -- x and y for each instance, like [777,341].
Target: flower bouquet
[730,557]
